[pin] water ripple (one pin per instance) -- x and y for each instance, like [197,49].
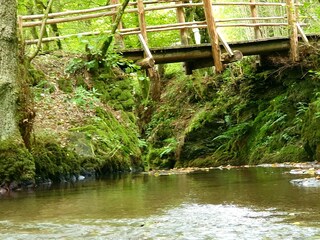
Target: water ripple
[187,222]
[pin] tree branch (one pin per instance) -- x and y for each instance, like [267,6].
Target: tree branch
[42,30]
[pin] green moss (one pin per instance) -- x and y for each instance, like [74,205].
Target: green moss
[36,75]
[289,153]
[65,85]
[52,160]
[117,93]
[251,117]
[203,162]
[162,157]
[113,141]
[16,162]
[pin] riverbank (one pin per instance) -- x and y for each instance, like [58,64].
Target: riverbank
[306,171]
[247,115]
[89,119]
[308,168]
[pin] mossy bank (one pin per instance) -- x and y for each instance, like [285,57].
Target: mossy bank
[247,115]
[91,119]
[77,129]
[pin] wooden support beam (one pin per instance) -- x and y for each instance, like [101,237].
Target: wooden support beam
[214,38]
[225,44]
[299,28]
[145,46]
[302,34]
[293,31]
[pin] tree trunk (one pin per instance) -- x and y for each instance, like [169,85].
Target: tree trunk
[8,69]
[115,24]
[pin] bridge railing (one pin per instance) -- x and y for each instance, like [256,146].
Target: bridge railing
[287,19]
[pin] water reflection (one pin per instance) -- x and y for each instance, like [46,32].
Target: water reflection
[257,201]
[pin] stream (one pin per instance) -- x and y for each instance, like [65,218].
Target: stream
[240,203]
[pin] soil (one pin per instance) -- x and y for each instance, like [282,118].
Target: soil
[55,112]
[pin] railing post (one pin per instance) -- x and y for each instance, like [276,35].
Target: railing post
[254,14]
[293,31]
[22,39]
[142,20]
[181,19]
[214,38]
[183,35]
[155,87]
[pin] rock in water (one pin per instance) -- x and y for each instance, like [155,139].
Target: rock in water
[81,178]
[306,182]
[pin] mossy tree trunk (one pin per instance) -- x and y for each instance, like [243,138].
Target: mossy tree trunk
[16,162]
[8,69]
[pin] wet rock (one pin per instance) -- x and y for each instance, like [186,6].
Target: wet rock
[81,178]
[306,182]
[310,171]
[3,191]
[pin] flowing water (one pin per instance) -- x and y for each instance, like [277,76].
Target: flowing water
[244,203]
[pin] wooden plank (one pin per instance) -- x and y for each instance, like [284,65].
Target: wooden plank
[204,51]
[293,31]
[214,38]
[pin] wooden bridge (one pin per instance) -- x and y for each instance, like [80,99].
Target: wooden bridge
[279,31]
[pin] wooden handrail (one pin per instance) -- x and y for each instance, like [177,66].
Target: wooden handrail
[159,28]
[73,12]
[141,7]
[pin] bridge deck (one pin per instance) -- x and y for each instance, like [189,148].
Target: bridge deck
[203,52]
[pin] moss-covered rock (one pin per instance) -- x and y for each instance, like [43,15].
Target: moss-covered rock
[16,162]
[117,93]
[53,161]
[111,138]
